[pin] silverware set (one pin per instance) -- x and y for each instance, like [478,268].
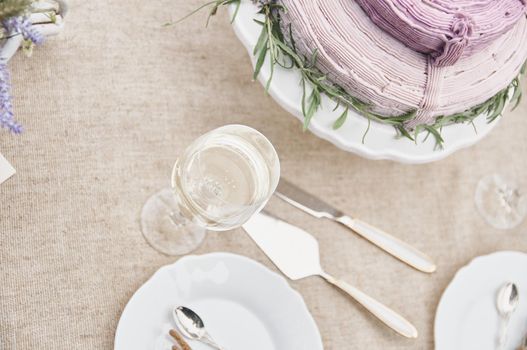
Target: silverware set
[192,327]
[295,252]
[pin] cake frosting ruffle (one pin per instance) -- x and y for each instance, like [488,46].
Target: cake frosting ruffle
[397,57]
[445,29]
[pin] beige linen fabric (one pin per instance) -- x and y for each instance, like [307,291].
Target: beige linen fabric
[108,105]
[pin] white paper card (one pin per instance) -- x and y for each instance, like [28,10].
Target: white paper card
[6,170]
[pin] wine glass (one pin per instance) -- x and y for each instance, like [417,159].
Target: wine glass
[500,201]
[218,183]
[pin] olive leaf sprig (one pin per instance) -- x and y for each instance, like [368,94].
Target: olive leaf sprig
[269,42]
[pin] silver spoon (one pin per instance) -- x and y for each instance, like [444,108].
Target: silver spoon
[506,303]
[192,327]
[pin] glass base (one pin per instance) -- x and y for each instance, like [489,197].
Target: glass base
[500,202]
[165,229]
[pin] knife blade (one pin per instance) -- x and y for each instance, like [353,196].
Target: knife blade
[320,209]
[295,252]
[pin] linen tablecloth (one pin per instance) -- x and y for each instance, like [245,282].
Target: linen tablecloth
[107,107]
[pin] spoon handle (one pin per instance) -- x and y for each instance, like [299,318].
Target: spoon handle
[390,318]
[207,339]
[502,336]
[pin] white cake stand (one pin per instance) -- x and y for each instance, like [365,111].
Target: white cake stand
[381,141]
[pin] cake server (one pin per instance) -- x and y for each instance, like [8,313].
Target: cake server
[295,252]
[320,209]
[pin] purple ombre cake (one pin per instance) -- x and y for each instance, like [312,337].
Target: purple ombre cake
[445,29]
[439,57]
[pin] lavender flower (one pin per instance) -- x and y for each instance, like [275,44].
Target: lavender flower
[23,25]
[6,107]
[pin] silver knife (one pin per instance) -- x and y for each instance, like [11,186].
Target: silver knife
[320,209]
[295,252]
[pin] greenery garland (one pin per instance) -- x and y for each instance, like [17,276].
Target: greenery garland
[273,44]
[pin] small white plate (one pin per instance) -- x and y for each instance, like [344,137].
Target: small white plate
[243,304]
[380,141]
[467,318]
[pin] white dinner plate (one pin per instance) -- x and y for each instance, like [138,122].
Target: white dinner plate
[243,304]
[381,141]
[467,318]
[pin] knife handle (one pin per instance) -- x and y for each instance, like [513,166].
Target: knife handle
[390,244]
[389,317]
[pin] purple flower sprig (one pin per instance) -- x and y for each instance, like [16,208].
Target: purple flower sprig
[15,25]
[22,25]
[6,106]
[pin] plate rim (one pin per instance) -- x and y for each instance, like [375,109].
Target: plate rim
[218,255]
[459,142]
[460,272]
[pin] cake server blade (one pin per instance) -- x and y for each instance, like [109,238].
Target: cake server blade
[295,252]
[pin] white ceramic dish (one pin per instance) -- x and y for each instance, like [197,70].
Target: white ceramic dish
[381,141]
[466,317]
[243,304]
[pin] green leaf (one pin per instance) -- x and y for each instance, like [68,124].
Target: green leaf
[517,95]
[437,135]
[303,81]
[262,42]
[366,132]
[496,109]
[314,58]
[402,130]
[407,116]
[417,130]
[340,121]
[259,62]
[268,84]
[287,50]
[314,103]
[474,127]
[235,14]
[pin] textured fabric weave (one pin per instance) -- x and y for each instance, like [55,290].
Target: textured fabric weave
[108,105]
